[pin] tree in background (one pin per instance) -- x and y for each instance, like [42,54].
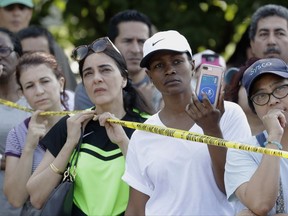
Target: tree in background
[210,24]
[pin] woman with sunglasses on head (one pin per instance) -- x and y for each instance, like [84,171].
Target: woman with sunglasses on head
[42,83]
[99,189]
[258,182]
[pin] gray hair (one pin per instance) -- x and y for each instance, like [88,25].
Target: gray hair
[263,12]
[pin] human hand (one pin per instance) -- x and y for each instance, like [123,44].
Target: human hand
[75,123]
[274,122]
[204,114]
[115,132]
[36,130]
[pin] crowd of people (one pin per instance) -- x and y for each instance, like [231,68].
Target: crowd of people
[135,73]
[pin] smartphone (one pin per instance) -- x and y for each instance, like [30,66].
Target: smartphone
[209,82]
[212,59]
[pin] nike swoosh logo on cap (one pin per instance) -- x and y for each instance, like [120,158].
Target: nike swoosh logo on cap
[153,44]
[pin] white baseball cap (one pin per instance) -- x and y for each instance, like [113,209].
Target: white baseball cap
[164,40]
[199,60]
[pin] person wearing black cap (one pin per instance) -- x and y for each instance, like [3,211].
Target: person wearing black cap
[253,181]
[169,176]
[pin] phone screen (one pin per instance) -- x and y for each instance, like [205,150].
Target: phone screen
[209,85]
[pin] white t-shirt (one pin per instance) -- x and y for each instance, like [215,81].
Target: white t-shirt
[239,168]
[177,174]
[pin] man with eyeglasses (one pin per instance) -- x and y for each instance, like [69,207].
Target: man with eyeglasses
[257,183]
[10,51]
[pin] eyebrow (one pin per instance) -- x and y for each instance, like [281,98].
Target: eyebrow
[271,85]
[99,66]
[104,65]
[274,29]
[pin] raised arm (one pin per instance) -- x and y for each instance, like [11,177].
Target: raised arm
[44,176]
[259,194]
[115,132]
[208,118]
[18,170]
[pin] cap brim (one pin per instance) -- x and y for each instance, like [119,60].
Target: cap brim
[145,61]
[26,3]
[278,73]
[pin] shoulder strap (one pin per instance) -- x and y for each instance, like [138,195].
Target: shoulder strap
[261,139]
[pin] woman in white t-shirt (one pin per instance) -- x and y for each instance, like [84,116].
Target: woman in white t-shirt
[256,182]
[169,176]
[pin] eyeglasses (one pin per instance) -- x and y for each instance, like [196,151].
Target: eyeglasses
[263,98]
[12,7]
[5,51]
[99,45]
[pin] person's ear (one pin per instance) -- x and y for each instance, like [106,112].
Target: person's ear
[124,83]
[62,83]
[192,62]
[148,73]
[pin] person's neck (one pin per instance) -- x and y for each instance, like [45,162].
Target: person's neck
[137,77]
[10,90]
[173,113]
[255,124]
[118,110]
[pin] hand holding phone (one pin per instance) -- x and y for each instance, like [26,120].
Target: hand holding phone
[209,82]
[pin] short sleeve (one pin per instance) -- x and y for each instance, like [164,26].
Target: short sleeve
[56,137]
[134,174]
[13,147]
[240,167]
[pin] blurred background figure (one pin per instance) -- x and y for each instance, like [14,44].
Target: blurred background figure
[268,32]
[10,52]
[16,15]
[37,38]
[207,57]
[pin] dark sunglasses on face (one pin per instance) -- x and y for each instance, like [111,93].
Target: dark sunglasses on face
[5,51]
[12,7]
[99,45]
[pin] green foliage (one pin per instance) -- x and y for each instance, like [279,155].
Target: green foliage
[207,24]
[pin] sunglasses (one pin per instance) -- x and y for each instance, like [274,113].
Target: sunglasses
[99,45]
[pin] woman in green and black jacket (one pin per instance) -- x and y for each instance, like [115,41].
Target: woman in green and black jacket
[99,189]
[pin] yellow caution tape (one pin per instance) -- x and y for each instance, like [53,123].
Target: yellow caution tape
[49,113]
[171,132]
[186,135]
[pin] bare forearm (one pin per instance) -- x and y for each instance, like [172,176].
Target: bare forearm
[16,178]
[124,146]
[218,158]
[45,178]
[261,191]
